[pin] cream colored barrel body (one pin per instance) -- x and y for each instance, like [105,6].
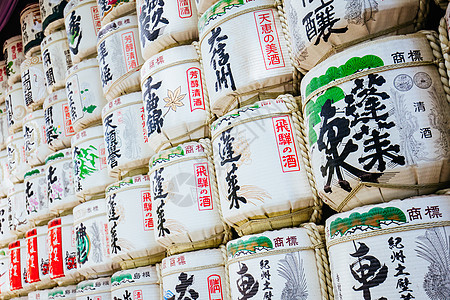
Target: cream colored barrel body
[392,139]
[203,273]
[203,5]
[110,10]
[185,199]
[14,56]
[52,15]
[56,59]
[5,177]
[17,165]
[35,138]
[63,292]
[90,163]
[3,81]
[402,243]
[82,21]
[4,131]
[33,82]
[62,251]
[38,258]
[6,236]
[119,57]
[85,94]
[58,124]
[260,170]
[94,289]
[255,69]
[15,107]
[126,142]
[5,288]
[142,283]
[17,210]
[166,24]
[131,222]
[31,26]
[175,101]
[92,239]
[38,295]
[36,195]
[18,266]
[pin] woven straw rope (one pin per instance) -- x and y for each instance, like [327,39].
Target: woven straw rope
[445,49]
[442,3]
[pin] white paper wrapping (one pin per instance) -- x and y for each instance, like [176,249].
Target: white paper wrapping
[36,195]
[15,107]
[5,288]
[38,258]
[56,59]
[17,210]
[33,82]
[6,236]
[4,131]
[60,181]
[63,292]
[85,94]
[130,219]
[31,26]
[94,289]
[140,283]
[5,177]
[125,134]
[3,81]
[396,250]
[176,104]
[166,24]
[392,130]
[35,138]
[14,56]
[17,165]
[119,57]
[82,20]
[111,10]
[52,15]
[241,57]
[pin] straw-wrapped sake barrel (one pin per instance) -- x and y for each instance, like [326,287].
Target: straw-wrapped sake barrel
[60,181]
[38,295]
[15,107]
[14,56]
[5,177]
[58,124]
[52,15]
[82,21]
[35,138]
[85,94]
[5,288]
[198,275]
[94,289]
[38,258]
[119,57]
[125,135]
[18,266]
[56,59]
[262,179]
[243,60]
[33,82]
[90,163]
[92,239]
[17,210]
[36,195]
[185,203]
[396,250]
[175,99]
[3,81]
[314,38]
[110,10]
[63,292]
[62,251]
[17,165]
[377,124]
[31,26]
[6,236]
[284,264]
[166,24]
[4,131]
[131,222]
[140,283]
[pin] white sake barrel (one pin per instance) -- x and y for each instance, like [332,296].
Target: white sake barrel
[52,15]
[18,266]
[15,107]
[313,40]
[63,292]
[35,138]
[392,140]
[140,283]
[56,59]
[119,57]
[61,190]
[17,210]
[5,289]
[6,236]
[396,250]
[203,5]
[258,68]
[111,10]
[14,56]
[82,21]
[92,239]
[85,94]
[38,258]
[4,131]
[33,82]
[5,177]
[38,295]
[262,179]
[36,195]
[3,81]
[62,251]
[185,198]
[58,124]
[131,222]
[94,289]
[198,275]
[90,163]
[283,264]
[31,26]
[125,135]
[17,165]
[165,24]
[175,101]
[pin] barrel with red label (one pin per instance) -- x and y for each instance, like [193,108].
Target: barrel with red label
[14,56]
[38,264]
[18,267]
[3,80]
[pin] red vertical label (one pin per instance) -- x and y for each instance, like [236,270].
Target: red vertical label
[195,88]
[184,8]
[268,39]
[285,144]
[68,128]
[215,287]
[147,210]
[32,257]
[55,251]
[15,274]
[203,185]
